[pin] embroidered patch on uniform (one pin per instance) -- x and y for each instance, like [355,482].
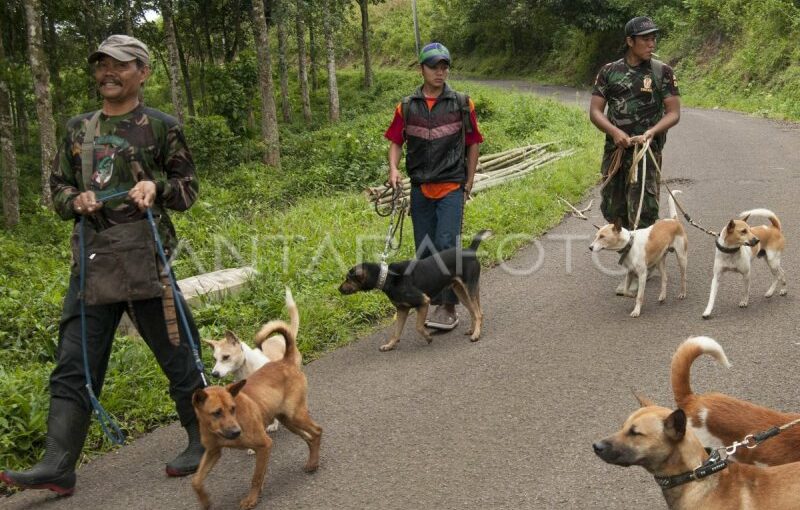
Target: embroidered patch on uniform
[105,152]
[674,81]
[647,85]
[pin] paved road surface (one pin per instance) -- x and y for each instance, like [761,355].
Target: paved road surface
[508,422]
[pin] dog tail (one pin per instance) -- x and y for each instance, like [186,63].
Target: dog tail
[691,349]
[292,354]
[673,211]
[294,313]
[480,236]
[773,218]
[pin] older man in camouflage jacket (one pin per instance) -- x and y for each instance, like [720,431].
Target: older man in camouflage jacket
[140,151]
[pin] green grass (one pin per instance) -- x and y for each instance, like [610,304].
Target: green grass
[315,202]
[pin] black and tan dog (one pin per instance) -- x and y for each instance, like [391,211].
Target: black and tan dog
[411,284]
[236,416]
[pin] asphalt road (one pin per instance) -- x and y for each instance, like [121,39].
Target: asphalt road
[508,422]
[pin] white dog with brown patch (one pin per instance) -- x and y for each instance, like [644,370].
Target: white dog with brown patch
[738,244]
[646,248]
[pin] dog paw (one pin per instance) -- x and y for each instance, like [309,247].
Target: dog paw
[782,292]
[635,313]
[427,336]
[474,338]
[250,451]
[769,294]
[743,304]
[310,468]
[248,502]
[387,347]
[682,295]
[661,299]
[707,315]
[274,426]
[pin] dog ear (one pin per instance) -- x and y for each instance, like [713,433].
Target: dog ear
[199,396]
[731,226]
[212,343]
[642,399]
[745,218]
[675,425]
[234,388]
[231,337]
[617,225]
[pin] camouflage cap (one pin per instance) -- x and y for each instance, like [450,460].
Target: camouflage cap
[640,26]
[123,48]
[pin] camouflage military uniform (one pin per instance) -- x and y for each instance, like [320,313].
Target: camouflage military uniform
[635,104]
[144,144]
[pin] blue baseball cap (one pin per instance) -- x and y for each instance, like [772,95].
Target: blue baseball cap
[434,53]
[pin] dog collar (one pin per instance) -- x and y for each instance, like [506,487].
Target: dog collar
[625,250]
[714,464]
[726,249]
[382,275]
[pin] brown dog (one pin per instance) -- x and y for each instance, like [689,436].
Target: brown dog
[657,439]
[719,420]
[236,416]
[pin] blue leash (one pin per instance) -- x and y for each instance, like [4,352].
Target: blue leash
[107,423]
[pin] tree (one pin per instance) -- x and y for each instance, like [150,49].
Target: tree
[172,58]
[41,86]
[9,162]
[330,46]
[280,15]
[365,42]
[301,62]
[269,120]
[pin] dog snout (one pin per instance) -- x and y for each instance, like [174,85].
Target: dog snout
[347,288]
[232,433]
[601,447]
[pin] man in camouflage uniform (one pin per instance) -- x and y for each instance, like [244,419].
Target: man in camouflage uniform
[643,103]
[142,151]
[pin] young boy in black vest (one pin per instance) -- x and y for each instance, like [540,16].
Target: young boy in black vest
[440,130]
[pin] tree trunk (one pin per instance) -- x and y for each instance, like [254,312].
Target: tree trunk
[126,14]
[172,57]
[10,179]
[232,47]
[41,86]
[330,46]
[269,118]
[92,42]
[207,31]
[312,46]
[365,43]
[301,63]
[187,83]
[286,107]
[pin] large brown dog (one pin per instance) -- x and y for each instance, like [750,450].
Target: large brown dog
[719,420]
[657,439]
[236,416]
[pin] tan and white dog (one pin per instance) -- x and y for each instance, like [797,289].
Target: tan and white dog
[646,248]
[657,439]
[236,358]
[738,244]
[719,420]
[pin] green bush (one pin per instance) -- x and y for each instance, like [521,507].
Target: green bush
[213,144]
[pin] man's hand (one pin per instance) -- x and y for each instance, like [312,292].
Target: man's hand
[644,137]
[394,178]
[86,203]
[143,194]
[621,139]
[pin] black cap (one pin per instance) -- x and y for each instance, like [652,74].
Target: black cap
[640,26]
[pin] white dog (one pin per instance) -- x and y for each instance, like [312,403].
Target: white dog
[736,246]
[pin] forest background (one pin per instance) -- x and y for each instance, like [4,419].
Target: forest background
[284,103]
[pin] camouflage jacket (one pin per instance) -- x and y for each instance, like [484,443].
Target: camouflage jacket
[144,144]
[635,102]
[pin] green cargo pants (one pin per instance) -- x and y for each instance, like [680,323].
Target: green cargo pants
[620,199]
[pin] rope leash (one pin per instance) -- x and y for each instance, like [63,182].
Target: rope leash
[110,428]
[399,203]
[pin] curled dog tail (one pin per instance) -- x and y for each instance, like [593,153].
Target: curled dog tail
[281,327]
[773,218]
[673,211]
[691,349]
[480,236]
[294,313]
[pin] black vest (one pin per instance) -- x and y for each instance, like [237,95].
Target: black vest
[435,150]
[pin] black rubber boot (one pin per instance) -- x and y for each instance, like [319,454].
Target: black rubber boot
[67,425]
[187,462]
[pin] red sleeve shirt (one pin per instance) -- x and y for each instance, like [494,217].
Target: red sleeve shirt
[395,132]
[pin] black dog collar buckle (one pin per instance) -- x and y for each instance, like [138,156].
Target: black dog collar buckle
[714,464]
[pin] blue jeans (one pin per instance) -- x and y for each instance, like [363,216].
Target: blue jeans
[437,226]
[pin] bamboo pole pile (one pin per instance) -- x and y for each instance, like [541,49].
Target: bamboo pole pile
[493,169]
